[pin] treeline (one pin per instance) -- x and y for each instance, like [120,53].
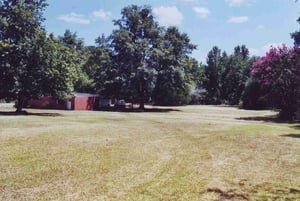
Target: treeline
[140,62]
[225,76]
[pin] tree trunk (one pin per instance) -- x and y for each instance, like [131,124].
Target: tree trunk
[20,104]
[142,105]
[287,113]
[142,97]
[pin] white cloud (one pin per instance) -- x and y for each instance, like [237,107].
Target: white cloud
[74,18]
[168,16]
[238,19]
[260,27]
[201,11]
[235,2]
[267,47]
[254,51]
[101,14]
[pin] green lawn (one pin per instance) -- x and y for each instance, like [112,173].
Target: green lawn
[190,153]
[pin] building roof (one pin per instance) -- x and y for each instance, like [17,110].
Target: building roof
[76,94]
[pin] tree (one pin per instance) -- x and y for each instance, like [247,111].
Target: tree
[19,23]
[133,44]
[32,63]
[296,35]
[254,97]
[212,73]
[71,40]
[174,79]
[100,68]
[84,82]
[279,75]
[235,73]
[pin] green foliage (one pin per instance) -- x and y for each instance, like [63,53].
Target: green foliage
[175,69]
[235,74]
[133,44]
[99,67]
[253,97]
[32,63]
[225,75]
[141,61]
[84,81]
[212,73]
[296,35]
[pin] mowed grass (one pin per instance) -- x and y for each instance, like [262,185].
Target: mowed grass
[190,153]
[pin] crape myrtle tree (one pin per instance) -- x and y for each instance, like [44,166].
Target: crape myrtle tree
[133,46]
[33,64]
[278,72]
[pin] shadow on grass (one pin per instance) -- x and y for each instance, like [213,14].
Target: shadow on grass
[25,113]
[297,127]
[135,110]
[292,135]
[270,118]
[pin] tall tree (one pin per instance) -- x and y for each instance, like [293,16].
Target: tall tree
[212,73]
[20,21]
[235,74]
[84,83]
[133,43]
[32,64]
[174,79]
[100,68]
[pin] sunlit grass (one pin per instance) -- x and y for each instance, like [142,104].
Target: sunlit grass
[196,153]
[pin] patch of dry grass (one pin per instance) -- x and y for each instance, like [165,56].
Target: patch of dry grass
[196,153]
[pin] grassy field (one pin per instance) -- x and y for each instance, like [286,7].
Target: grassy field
[183,153]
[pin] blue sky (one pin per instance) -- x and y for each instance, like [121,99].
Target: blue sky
[224,23]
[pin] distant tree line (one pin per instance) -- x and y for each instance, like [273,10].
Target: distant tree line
[139,61]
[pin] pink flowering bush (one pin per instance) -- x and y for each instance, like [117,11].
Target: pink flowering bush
[278,72]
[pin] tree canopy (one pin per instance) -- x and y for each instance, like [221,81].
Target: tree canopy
[33,64]
[278,73]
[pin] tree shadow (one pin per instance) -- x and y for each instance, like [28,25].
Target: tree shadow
[296,127]
[270,118]
[135,110]
[25,113]
[292,135]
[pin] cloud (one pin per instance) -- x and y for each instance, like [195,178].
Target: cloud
[201,11]
[101,14]
[168,16]
[254,51]
[234,3]
[260,27]
[238,19]
[74,18]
